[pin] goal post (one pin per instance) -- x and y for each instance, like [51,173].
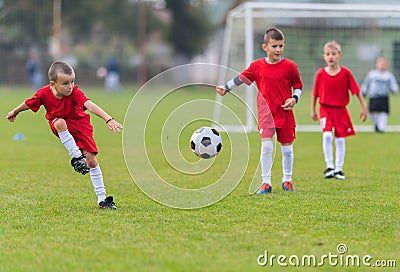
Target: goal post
[364,30]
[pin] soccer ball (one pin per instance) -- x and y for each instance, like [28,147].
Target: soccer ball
[206,142]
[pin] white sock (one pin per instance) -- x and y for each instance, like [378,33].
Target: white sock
[374,118]
[287,162]
[340,153]
[327,139]
[69,142]
[382,121]
[267,149]
[97,180]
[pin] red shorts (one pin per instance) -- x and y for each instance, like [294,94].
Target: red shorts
[81,130]
[266,124]
[283,135]
[337,119]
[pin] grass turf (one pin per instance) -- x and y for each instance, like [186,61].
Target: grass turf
[50,220]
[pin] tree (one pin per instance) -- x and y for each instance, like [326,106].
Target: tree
[116,18]
[190,28]
[26,24]
[31,21]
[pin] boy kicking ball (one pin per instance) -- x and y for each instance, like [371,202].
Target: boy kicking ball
[65,107]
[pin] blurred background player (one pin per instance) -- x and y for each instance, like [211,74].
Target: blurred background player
[112,76]
[279,89]
[331,87]
[65,108]
[377,85]
[33,68]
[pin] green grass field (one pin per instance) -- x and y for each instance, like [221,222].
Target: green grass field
[50,220]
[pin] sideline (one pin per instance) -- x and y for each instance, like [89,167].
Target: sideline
[359,128]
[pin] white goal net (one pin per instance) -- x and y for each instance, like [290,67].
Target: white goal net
[364,31]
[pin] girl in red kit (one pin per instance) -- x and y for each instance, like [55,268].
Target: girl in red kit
[65,107]
[332,86]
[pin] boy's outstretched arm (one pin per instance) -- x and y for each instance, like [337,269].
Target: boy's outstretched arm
[12,115]
[364,111]
[111,123]
[233,83]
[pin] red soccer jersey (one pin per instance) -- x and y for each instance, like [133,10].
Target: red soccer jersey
[71,109]
[275,83]
[333,91]
[68,107]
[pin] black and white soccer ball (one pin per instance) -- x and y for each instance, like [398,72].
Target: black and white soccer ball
[206,142]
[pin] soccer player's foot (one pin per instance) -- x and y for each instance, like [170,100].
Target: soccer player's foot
[288,186]
[340,175]
[378,130]
[108,203]
[79,165]
[265,189]
[329,173]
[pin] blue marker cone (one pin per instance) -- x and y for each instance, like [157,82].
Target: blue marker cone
[19,137]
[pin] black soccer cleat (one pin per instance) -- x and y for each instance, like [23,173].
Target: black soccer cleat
[340,175]
[108,203]
[79,165]
[329,173]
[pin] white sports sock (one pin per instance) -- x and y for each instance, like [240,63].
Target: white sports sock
[267,149]
[97,180]
[382,121]
[327,139]
[340,153]
[69,142]
[287,162]
[374,118]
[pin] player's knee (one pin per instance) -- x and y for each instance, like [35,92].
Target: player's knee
[327,136]
[91,160]
[287,149]
[340,140]
[267,147]
[60,125]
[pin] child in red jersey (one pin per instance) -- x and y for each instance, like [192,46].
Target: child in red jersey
[279,88]
[65,107]
[332,85]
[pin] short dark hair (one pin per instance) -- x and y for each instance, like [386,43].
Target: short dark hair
[59,67]
[273,33]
